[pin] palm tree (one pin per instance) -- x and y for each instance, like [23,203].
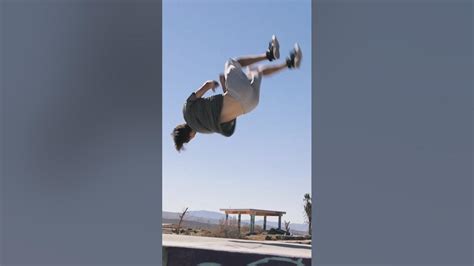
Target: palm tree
[307,209]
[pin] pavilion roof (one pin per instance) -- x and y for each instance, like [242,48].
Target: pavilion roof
[257,212]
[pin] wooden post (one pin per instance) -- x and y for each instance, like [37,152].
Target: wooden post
[279,222]
[264,223]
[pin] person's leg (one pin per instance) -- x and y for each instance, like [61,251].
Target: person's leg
[251,59]
[272,69]
[292,61]
[272,53]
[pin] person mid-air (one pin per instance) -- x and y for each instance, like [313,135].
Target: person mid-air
[218,113]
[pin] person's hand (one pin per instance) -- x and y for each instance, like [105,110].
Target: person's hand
[212,84]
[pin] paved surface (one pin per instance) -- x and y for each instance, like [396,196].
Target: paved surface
[241,246]
[192,250]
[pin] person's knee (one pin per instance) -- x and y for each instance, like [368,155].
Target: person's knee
[231,62]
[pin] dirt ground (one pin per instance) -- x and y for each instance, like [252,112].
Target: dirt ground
[230,233]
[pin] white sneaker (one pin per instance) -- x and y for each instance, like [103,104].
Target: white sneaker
[273,51]
[298,55]
[276,47]
[294,60]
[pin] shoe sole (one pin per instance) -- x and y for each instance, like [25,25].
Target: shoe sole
[276,47]
[298,56]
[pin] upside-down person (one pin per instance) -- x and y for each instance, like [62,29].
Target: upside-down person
[218,113]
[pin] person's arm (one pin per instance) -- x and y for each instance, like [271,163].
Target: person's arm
[208,85]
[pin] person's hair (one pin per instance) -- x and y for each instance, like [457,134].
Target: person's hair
[181,134]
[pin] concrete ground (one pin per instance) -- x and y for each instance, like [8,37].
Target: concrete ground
[193,250]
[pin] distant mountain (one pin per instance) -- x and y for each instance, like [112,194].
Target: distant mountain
[213,218]
[207,215]
[170,215]
[190,224]
[296,227]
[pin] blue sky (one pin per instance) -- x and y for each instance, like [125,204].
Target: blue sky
[267,162]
